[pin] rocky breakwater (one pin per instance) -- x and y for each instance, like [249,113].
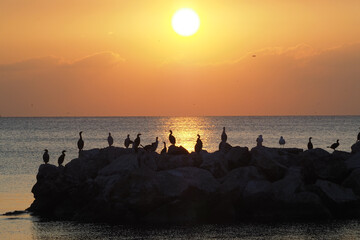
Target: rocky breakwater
[234,184]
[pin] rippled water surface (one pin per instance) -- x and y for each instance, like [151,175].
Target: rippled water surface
[22,141]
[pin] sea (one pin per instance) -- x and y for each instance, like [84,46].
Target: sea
[23,140]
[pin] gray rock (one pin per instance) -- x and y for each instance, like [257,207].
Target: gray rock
[266,159]
[174,150]
[355,148]
[238,157]
[353,162]
[214,163]
[335,193]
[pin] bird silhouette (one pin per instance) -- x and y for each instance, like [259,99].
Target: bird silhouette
[334,145]
[223,135]
[80,142]
[46,156]
[163,151]
[172,138]
[110,140]
[136,142]
[259,141]
[198,145]
[310,145]
[127,141]
[61,158]
[282,141]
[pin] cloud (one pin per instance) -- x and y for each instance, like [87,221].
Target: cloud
[278,81]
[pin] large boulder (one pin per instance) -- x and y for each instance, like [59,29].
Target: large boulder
[353,162]
[334,193]
[267,160]
[174,150]
[353,181]
[238,157]
[234,183]
[165,162]
[319,164]
[284,189]
[214,163]
[355,148]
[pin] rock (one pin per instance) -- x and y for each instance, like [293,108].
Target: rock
[353,181]
[260,189]
[335,193]
[355,148]
[214,163]
[174,150]
[318,164]
[266,159]
[165,162]
[235,182]
[284,189]
[224,147]
[122,165]
[353,162]
[238,157]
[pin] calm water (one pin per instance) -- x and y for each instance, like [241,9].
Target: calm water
[22,141]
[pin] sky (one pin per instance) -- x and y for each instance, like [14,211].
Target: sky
[122,58]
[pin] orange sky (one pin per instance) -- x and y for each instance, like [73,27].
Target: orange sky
[121,58]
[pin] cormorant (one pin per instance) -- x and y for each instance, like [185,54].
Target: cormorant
[110,140]
[80,142]
[136,142]
[172,138]
[282,141]
[127,141]
[334,145]
[151,147]
[310,145]
[259,141]
[61,158]
[155,144]
[163,151]
[198,145]
[223,135]
[46,156]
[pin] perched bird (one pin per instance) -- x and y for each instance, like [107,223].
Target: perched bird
[334,145]
[259,141]
[127,141]
[163,151]
[46,156]
[155,144]
[136,142]
[61,158]
[223,135]
[110,140]
[198,145]
[358,138]
[282,141]
[172,138]
[80,142]
[310,145]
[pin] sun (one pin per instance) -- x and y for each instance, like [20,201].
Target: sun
[185,22]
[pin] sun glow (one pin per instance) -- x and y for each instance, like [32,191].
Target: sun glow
[185,22]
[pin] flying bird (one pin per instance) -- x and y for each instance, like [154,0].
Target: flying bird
[127,141]
[223,135]
[110,140]
[310,145]
[172,138]
[61,158]
[198,145]
[46,156]
[80,142]
[282,141]
[334,145]
[163,151]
